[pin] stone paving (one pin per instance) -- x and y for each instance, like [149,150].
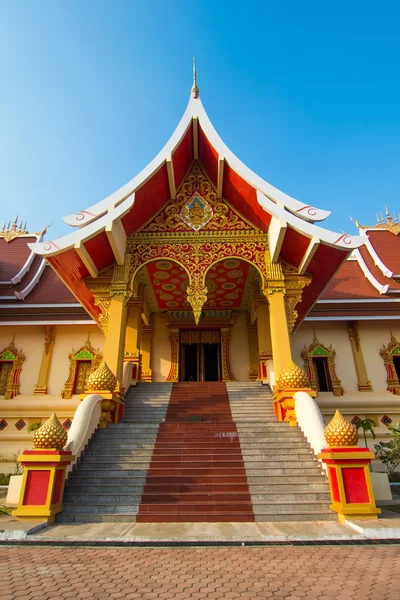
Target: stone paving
[352,572]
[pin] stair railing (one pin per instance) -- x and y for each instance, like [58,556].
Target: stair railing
[84,423]
[310,421]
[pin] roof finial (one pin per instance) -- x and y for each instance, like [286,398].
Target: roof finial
[195,89]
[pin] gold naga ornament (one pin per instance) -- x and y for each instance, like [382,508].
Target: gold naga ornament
[292,377]
[51,435]
[102,379]
[339,432]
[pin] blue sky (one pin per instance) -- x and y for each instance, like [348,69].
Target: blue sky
[307,94]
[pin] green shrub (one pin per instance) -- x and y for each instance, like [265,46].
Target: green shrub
[5,478]
[389,452]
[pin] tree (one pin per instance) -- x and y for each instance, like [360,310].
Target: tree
[366,425]
[389,452]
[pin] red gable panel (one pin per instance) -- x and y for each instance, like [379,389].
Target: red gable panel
[100,250]
[243,197]
[349,282]
[148,201]
[294,246]
[182,157]
[208,157]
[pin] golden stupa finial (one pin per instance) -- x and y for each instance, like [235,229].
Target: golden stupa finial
[102,379]
[339,432]
[195,89]
[51,435]
[292,377]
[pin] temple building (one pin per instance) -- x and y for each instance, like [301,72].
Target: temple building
[197,270]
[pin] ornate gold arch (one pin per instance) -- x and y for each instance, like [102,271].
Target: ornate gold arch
[318,350]
[388,353]
[11,354]
[87,352]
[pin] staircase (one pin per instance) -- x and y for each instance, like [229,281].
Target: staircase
[197,452]
[284,478]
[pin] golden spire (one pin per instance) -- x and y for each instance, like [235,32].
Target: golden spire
[292,377]
[195,89]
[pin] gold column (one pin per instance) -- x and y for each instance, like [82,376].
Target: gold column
[132,337]
[281,350]
[364,384]
[147,335]
[264,336]
[40,388]
[226,354]
[173,374]
[115,339]
[253,350]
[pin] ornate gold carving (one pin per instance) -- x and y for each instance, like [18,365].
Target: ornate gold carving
[10,375]
[388,353]
[196,212]
[10,232]
[315,350]
[294,290]
[226,354]
[86,353]
[197,297]
[340,432]
[51,435]
[173,374]
[389,222]
[102,379]
[292,377]
[104,305]
[50,337]
[364,384]
[223,216]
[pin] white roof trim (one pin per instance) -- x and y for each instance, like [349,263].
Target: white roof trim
[382,289]
[195,110]
[330,238]
[22,295]
[61,304]
[355,318]
[353,301]
[50,248]
[47,322]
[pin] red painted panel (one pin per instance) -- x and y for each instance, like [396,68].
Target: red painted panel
[294,246]
[355,485]
[323,266]
[208,157]
[58,485]
[37,485]
[100,250]
[244,198]
[71,270]
[334,484]
[148,200]
[182,157]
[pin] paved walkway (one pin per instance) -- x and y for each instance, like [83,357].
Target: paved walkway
[295,573]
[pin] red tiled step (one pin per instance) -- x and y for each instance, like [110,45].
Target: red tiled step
[197,471]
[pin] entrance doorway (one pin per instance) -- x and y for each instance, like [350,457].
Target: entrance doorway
[200,355]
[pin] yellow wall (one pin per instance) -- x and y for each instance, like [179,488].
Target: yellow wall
[328,333]
[30,339]
[161,349]
[373,335]
[240,358]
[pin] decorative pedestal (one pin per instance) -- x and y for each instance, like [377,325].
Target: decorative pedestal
[42,484]
[263,367]
[284,404]
[350,482]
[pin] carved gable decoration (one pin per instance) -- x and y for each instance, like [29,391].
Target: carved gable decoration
[10,369]
[318,350]
[388,353]
[85,354]
[195,208]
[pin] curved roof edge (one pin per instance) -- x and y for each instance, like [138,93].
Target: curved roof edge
[195,109]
